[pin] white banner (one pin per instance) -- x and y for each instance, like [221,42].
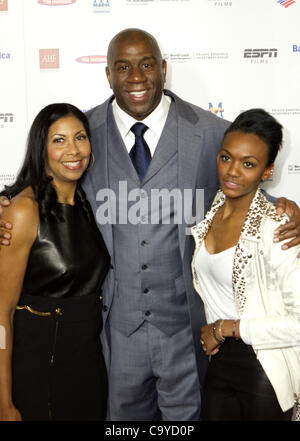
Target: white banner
[225,56]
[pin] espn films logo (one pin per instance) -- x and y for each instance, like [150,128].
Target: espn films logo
[3,5]
[49,58]
[260,54]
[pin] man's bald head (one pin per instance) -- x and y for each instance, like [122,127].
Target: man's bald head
[132,35]
[136,72]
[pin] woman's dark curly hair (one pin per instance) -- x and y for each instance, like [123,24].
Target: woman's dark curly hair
[33,172]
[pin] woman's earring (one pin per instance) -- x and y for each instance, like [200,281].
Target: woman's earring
[93,162]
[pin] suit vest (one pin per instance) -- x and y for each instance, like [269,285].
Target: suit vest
[149,282]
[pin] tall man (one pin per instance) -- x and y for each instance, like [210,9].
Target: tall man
[147,333]
[149,301]
[155,363]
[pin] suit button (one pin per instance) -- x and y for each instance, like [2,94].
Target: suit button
[146,290]
[147,313]
[144,243]
[144,267]
[105,308]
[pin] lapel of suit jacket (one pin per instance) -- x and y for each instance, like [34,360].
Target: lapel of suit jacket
[189,153]
[98,175]
[167,145]
[250,233]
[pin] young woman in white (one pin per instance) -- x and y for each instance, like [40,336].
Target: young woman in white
[249,285]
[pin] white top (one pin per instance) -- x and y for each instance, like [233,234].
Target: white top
[214,272]
[155,122]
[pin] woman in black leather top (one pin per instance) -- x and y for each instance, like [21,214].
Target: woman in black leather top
[51,362]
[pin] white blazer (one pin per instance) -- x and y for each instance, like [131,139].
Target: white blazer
[266,286]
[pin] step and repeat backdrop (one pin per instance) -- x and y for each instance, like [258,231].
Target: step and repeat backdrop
[225,56]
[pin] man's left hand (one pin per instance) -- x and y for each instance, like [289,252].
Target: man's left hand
[292,228]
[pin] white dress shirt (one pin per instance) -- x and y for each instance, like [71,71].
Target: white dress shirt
[155,122]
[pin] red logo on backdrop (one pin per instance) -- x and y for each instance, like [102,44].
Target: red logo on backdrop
[49,58]
[92,59]
[4,5]
[56,2]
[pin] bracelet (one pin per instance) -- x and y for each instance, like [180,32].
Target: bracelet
[233,329]
[220,330]
[215,335]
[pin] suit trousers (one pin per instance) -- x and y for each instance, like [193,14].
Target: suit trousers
[156,378]
[238,389]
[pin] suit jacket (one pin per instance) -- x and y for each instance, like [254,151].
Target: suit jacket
[266,287]
[199,138]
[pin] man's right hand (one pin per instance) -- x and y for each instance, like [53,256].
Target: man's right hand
[5,236]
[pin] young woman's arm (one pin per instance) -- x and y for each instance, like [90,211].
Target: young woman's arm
[23,214]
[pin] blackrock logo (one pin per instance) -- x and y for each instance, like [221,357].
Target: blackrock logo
[3,5]
[5,119]
[286,3]
[92,59]
[101,6]
[260,55]
[56,2]
[49,58]
[181,57]
[217,110]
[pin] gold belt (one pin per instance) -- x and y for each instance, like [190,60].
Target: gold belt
[57,311]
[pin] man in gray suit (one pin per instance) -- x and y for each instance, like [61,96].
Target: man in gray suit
[155,363]
[149,301]
[147,336]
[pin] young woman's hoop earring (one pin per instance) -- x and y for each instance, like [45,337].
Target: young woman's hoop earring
[93,162]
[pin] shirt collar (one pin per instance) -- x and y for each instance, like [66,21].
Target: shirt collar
[155,121]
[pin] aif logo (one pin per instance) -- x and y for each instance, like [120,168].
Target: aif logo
[49,58]
[286,3]
[4,5]
[216,110]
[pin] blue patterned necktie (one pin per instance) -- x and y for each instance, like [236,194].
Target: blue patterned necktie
[140,153]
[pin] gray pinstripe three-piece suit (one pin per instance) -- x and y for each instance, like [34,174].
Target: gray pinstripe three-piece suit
[152,315]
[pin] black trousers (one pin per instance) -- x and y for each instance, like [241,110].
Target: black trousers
[237,388]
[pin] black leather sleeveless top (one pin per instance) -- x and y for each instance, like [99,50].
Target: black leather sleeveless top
[68,258]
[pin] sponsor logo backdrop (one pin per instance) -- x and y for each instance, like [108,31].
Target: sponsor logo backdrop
[225,56]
